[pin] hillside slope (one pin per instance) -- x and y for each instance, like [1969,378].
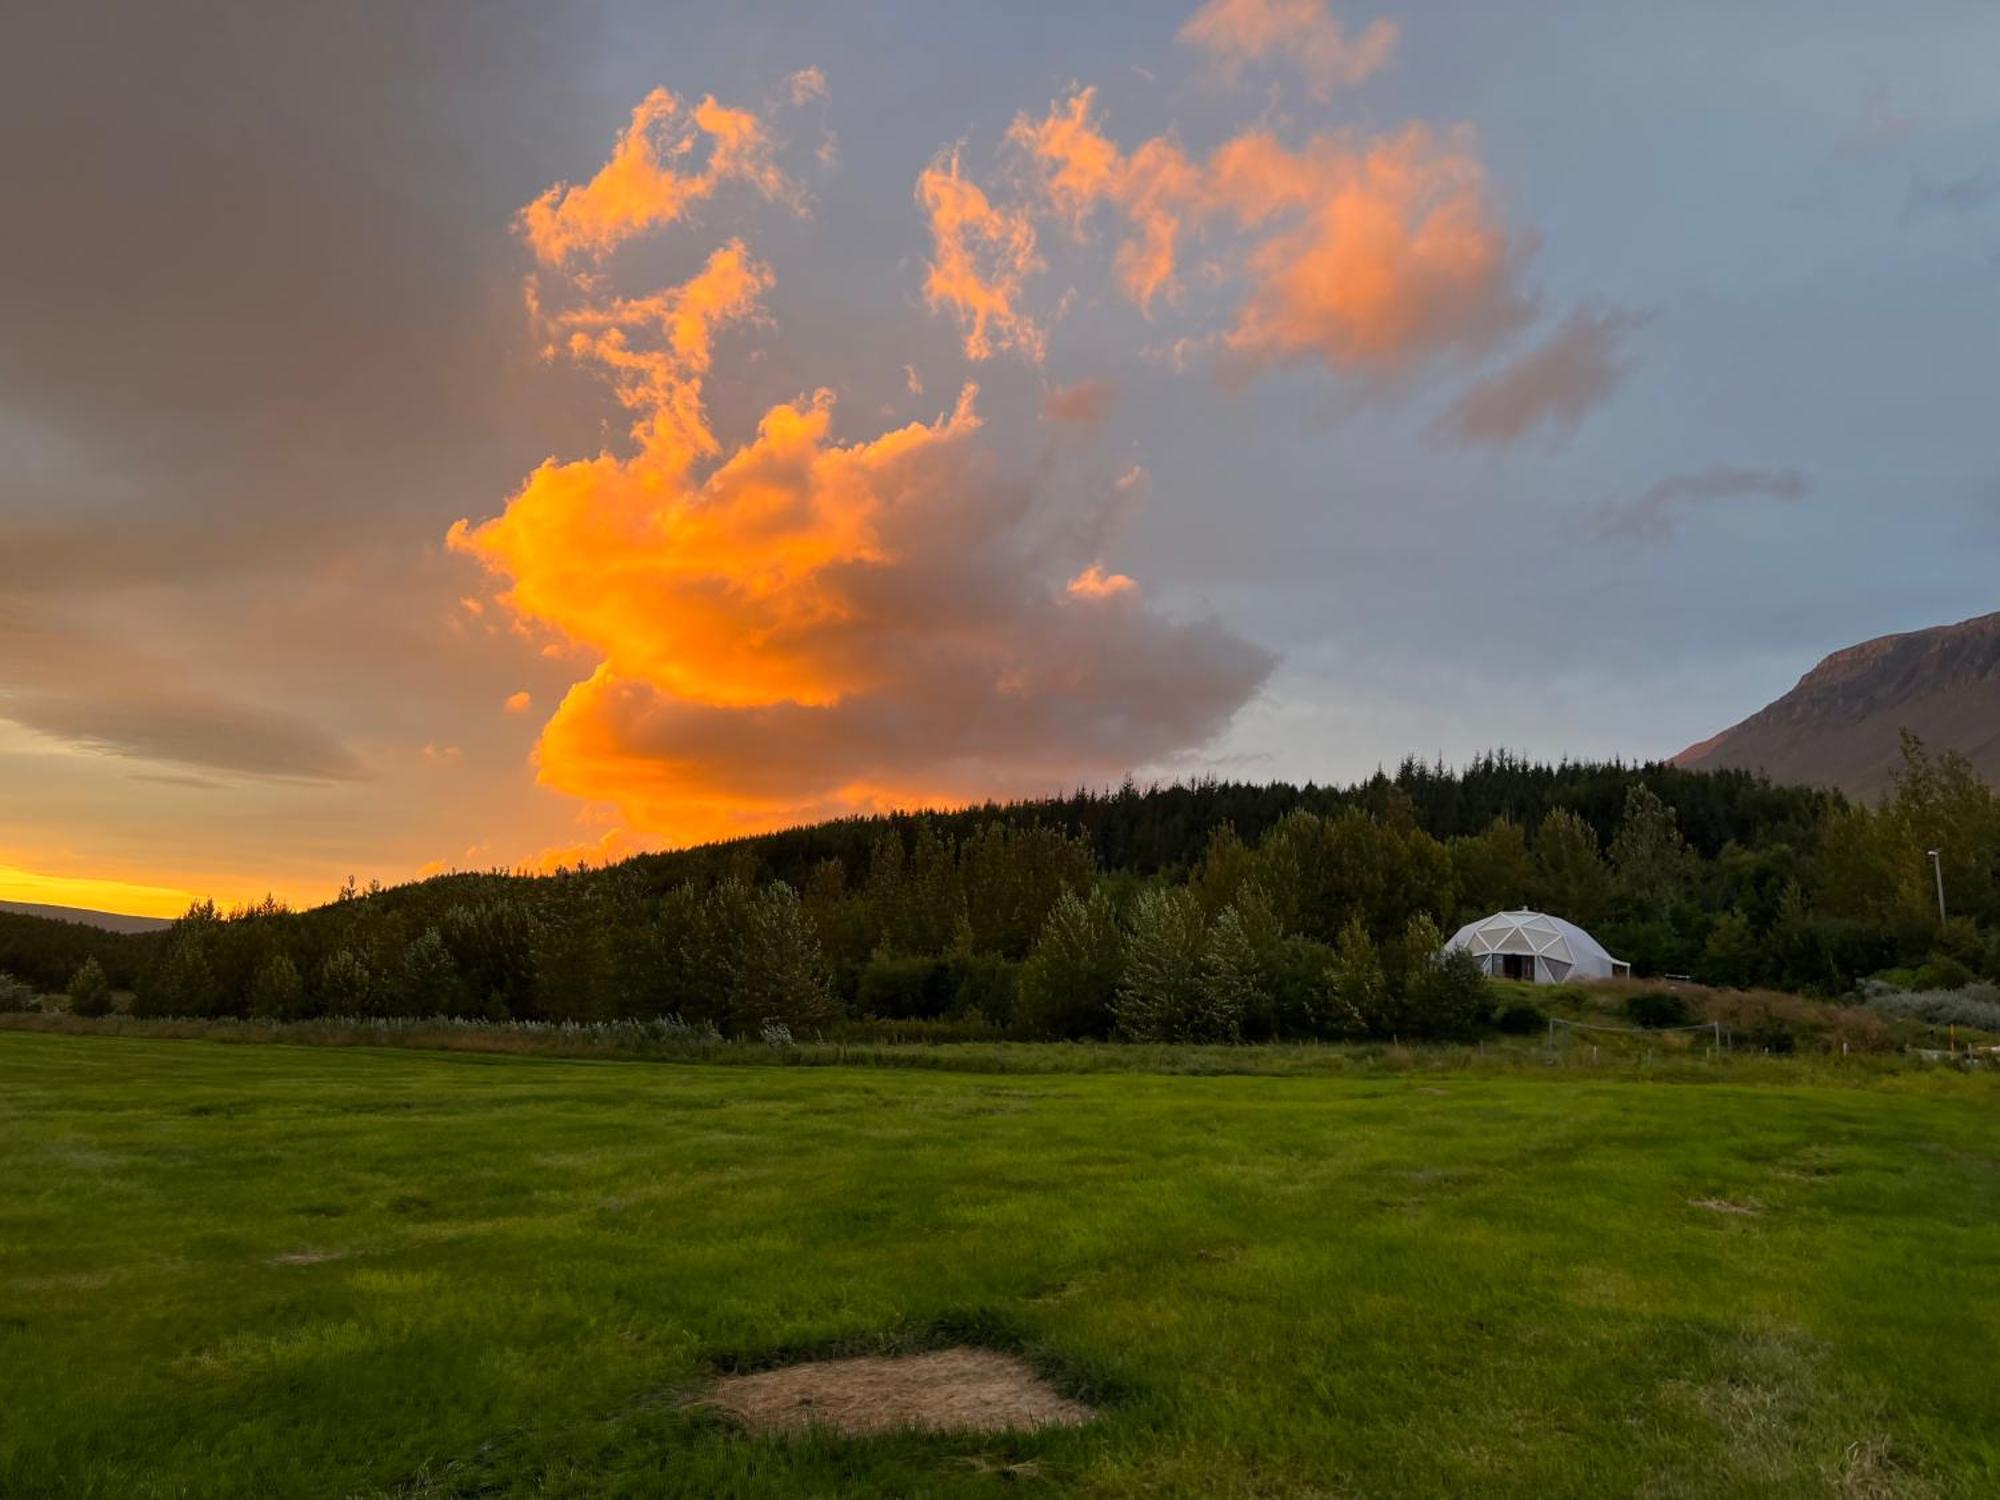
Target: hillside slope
[1840,726]
[110,921]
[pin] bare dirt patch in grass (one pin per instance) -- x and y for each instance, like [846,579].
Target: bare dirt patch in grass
[949,1390]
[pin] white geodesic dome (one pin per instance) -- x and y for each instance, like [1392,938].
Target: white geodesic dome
[1534,945]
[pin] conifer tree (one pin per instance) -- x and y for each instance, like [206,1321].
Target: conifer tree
[1159,993]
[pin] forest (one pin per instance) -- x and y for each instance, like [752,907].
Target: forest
[1199,912]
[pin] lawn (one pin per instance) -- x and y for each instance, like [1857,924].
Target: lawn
[271,1271]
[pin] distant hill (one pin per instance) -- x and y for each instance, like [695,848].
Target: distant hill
[1840,727]
[110,921]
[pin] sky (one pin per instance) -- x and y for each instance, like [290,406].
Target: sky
[496,435]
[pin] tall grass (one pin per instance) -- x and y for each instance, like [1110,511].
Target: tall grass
[1660,1057]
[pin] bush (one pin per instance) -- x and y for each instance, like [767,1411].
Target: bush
[1657,1009]
[1975,1005]
[89,990]
[1300,975]
[1941,972]
[15,994]
[1520,1018]
[904,989]
[985,985]
[1774,1035]
[1445,993]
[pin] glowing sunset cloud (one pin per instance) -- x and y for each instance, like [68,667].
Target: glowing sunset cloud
[1368,255]
[802,626]
[645,185]
[980,253]
[1235,32]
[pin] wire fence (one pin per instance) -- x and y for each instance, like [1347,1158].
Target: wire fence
[1715,1028]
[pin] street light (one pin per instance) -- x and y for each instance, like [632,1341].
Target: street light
[1937,868]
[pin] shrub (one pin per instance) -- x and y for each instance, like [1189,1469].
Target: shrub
[1941,972]
[1445,994]
[1975,1005]
[15,994]
[1300,974]
[1656,1009]
[986,985]
[904,989]
[1520,1018]
[89,990]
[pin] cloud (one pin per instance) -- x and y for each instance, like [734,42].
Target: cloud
[1955,195]
[1085,404]
[100,695]
[1301,32]
[801,624]
[1375,258]
[519,703]
[1653,515]
[1094,583]
[646,184]
[980,254]
[805,86]
[1156,187]
[1557,383]
[1882,124]
[1371,256]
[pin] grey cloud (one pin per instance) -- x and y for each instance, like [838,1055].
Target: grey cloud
[1652,515]
[1556,384]
[1955,195]
[100,695]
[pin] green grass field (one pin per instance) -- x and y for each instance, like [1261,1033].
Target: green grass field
[275,1271]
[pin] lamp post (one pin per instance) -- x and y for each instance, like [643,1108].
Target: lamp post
[1937,869]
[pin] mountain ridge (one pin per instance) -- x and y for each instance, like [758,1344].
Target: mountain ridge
[109,921]
[1841,724]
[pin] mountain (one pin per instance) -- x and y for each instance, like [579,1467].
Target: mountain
[110,921]
[1841,725]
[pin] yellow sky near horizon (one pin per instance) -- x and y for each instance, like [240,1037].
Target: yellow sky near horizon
[124,897]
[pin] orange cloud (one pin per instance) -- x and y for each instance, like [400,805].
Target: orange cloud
[1156,187]
[648,183]
[519,703]
[1094,583]
[804,625]
[980,254]
[1236,32]
[1371,256]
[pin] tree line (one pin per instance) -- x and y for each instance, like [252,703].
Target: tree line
[1204,911]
